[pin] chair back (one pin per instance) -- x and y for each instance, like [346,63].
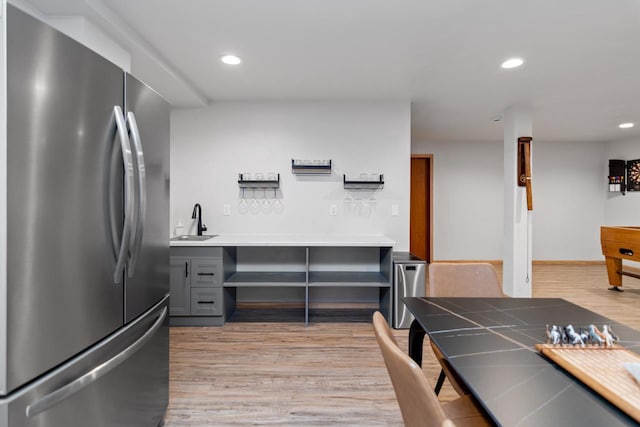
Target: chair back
[419,405]
[477,279]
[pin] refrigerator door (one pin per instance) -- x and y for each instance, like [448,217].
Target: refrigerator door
[121,381]
[148,116]
[62,147]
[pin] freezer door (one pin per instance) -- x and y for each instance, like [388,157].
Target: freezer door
[148,117]
[121,381]
[61,297]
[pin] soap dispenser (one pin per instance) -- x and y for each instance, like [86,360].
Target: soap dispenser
[177,231]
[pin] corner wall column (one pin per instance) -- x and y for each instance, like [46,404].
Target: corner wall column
[517,255]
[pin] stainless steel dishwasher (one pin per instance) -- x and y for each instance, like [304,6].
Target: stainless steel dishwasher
[408,281]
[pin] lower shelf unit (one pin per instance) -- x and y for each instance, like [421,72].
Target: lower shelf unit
[313,271]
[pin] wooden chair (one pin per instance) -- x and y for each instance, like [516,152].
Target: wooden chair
[418,403]
[478,279]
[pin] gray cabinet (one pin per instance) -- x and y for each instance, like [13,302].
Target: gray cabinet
[207,302]
[207,281]
[206,272]
[179,287]
[196,293]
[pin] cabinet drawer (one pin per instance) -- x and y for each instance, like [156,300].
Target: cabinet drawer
[206,272]
[206,301]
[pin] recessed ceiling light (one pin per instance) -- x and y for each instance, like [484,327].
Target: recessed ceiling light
[512,63]
[625,125]
[231,60]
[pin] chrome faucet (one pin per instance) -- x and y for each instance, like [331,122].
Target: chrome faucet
[197,213]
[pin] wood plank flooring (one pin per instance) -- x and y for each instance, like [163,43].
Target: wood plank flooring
[281,373]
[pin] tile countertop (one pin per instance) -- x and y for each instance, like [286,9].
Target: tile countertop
[291,240]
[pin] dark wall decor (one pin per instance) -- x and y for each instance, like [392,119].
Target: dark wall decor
[524,168]
[616,176]
[633,175]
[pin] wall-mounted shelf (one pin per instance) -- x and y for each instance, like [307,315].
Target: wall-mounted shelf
[310,167]
[258,183]
[374,184]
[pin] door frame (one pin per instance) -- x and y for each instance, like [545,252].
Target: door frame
[429,159]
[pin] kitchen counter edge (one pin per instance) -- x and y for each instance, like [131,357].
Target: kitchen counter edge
[289,240]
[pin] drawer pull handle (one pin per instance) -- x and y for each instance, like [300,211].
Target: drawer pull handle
[206,274]
[206,302]
[627,252]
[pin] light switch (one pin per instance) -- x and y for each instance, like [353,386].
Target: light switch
[333,210]
[395,210]
[226,209]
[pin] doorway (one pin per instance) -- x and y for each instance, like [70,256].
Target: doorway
[421,208]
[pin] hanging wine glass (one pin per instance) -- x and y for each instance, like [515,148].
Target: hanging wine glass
[278,206]
[243,206]
[348,203]
[254,206]
[266,206]
[373,203]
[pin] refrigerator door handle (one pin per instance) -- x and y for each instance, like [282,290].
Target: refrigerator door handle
[128,193]
[136,237]
[81,382]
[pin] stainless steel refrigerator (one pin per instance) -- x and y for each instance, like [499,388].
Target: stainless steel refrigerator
[84,232]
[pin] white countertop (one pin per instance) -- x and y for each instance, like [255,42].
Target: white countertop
[291,240]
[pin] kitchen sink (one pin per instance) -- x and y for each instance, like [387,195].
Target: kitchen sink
[191,238]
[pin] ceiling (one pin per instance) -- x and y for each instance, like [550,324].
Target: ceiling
[581,76]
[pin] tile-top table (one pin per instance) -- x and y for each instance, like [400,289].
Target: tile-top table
[490,343]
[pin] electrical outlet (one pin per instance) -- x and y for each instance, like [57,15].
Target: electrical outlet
[226,209]
[333,210]
[395,210]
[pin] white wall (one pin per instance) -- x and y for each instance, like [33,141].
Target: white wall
[467,199]
[569,187]
[210,146]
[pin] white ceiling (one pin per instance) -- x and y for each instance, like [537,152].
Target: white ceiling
[581,76]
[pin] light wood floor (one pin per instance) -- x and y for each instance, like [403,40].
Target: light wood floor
[330,373]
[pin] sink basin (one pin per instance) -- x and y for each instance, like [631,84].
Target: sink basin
[191,238]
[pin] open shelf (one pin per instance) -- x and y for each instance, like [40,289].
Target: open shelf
[325,315]
[266,279]
[267,315]
[316,279]
[314,273]
[351,184]
[261,183]
[348,279]
[310,167]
